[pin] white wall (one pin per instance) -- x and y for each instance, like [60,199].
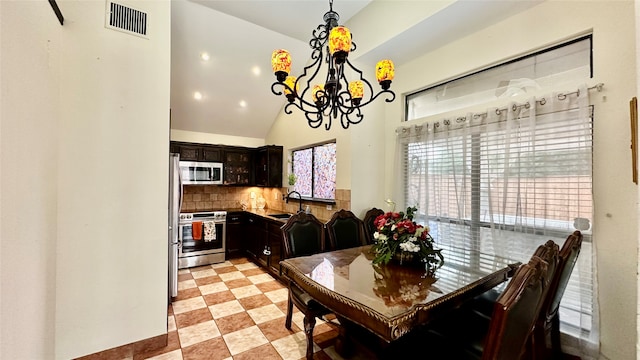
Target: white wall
[85,131]
[29,112]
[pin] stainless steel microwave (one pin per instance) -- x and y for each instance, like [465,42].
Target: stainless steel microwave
[200,173]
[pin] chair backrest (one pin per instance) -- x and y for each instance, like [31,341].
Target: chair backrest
[303,234]
[345,230]
[515,312]
[568,257]
[550,253]
[369,227]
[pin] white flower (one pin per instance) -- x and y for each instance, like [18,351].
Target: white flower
[379,237]
[413,238]
[409,247]
[393,227]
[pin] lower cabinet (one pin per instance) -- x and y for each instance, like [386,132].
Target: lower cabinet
[262,240]
[275,239]
[236,223]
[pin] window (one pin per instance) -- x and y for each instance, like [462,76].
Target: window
[315,171]
[548,69]
[507,180]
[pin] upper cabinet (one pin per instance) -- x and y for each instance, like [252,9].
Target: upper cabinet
[237,166]
[197,152]
[268,166]
[242,166]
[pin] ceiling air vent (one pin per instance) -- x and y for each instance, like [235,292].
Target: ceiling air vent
[126,19]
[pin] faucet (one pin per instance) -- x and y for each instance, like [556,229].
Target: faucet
[289,196]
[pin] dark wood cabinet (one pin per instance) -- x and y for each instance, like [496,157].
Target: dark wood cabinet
[236,223]
[197,152]
[243,166]
[262,241]
[256,240]
[275,239]
[237,166]
[268,166]
[211,153]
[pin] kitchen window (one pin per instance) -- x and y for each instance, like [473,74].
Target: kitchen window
[314,168]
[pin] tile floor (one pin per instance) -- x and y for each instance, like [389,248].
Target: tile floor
[236,310]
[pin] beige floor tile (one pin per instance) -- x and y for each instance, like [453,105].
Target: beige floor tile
[204,273]
[245,339]
[183,271]
[231,275]
[246,266]
[187,284]
[262,278]
[173,355]
[298,319]
[171,324]
[182,306]
[246,291]
[197,333]
[226,309]
[265,313]
[213,288]
[278,295]
[221,265]
[293,347]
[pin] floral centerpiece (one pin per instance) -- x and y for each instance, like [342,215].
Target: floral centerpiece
[399,238]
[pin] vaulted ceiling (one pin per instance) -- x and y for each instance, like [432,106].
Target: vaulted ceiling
[239,36]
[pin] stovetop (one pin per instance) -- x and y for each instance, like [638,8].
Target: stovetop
[216,215]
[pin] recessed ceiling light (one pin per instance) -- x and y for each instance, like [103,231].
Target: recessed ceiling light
[243,103]
[204,56]
[197,95]
[255,70]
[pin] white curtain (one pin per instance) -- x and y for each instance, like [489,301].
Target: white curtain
[507,180]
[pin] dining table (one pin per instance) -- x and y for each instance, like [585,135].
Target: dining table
[389,300]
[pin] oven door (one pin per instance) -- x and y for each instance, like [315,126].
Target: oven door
[213,243]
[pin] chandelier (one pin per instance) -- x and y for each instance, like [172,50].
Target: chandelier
[336,95]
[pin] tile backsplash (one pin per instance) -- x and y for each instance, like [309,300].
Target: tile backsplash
[212,197]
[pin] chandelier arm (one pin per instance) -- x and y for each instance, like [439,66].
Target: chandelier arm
[391,94]
[314,122]
[273,88]
[346,116]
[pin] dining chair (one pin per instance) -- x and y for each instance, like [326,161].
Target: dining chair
[369,226]
[548,323]
[465,335]
[303,235]
[345,230]
[484,304]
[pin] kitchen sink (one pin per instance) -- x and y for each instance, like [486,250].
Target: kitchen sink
[280,216]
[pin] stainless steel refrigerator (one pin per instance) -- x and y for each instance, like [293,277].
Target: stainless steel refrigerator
[175,202]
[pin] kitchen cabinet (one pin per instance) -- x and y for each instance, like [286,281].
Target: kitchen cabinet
[268,166]
[256,239]
[262,240]
[274,242]
[237,166]
[242,166]
[236,223]
[196,152]
[211,153]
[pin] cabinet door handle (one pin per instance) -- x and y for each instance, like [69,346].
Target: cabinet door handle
[265,167]
[266,251]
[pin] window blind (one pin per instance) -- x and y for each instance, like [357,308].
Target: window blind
[505,182]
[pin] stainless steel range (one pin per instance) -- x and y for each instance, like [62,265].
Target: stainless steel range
[201,237]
